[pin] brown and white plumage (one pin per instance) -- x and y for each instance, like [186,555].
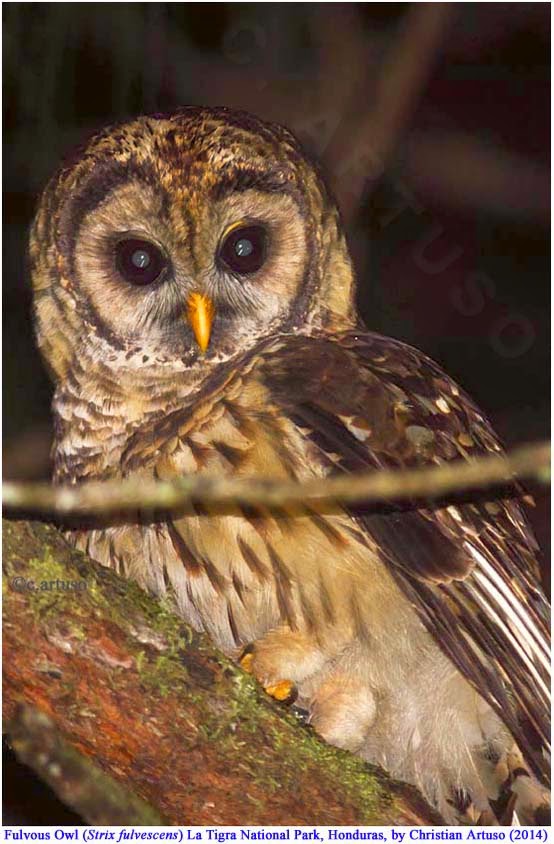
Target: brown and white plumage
[416,638]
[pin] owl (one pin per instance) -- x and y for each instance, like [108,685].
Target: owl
[194,302]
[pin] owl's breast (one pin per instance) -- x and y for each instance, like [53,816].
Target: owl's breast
[237,575]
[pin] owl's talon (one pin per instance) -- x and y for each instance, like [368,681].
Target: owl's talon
[246,659]
[284,691]
[246,662]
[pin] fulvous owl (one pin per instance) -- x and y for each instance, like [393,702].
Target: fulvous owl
[194,301]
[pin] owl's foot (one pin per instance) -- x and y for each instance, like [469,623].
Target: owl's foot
[284,691]
[343,710]
[283,652]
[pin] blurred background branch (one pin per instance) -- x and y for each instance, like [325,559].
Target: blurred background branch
[375,131]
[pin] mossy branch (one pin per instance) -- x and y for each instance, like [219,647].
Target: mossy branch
[531,462]
[122,685]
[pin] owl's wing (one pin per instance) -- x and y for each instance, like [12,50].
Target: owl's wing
[365,401]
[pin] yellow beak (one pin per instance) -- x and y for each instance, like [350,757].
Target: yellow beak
[200,314]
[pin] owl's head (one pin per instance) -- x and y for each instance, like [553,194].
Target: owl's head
[182,240]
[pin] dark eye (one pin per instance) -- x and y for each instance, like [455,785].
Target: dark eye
[244,249]
[139,261]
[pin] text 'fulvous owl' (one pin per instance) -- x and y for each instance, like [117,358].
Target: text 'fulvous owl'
[194,301]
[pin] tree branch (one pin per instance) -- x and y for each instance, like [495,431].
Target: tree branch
[423,484]
[123,685]
[72,776]
[466,172]
[374,133]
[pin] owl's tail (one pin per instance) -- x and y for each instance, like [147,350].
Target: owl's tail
[525,801]
[520,798]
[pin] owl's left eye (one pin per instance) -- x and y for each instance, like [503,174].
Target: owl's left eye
[139,261]
[244,249]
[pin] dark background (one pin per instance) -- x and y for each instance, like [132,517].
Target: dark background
[450,232]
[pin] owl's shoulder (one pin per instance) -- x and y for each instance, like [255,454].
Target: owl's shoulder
[390,386]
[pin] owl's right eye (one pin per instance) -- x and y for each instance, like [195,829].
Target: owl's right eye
[139,262]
